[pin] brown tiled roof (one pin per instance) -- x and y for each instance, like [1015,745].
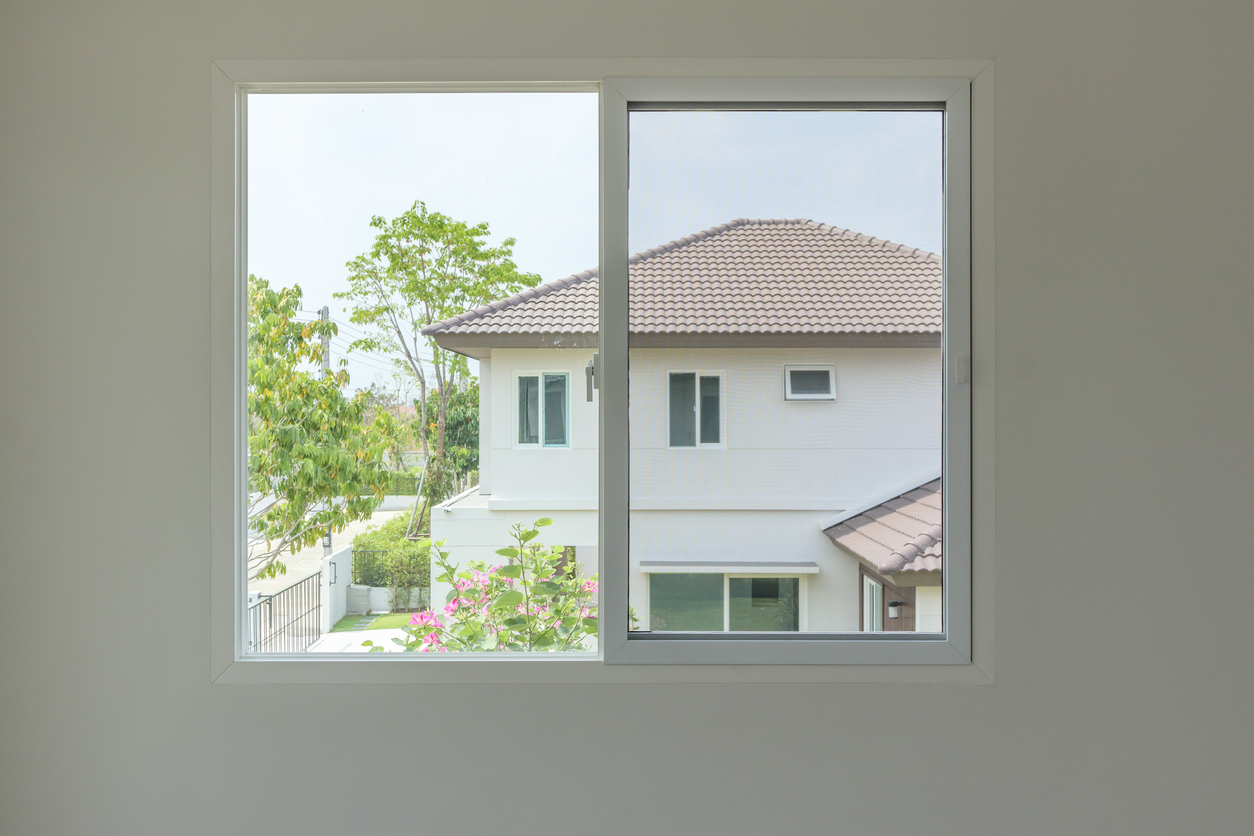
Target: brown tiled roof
[900,535]
[742,277]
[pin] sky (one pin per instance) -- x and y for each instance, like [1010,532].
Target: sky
[321,165]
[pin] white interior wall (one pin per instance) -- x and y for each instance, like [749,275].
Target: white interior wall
[1123,196]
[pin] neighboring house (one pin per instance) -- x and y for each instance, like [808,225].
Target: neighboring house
[783,374]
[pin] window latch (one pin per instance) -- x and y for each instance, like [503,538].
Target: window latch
[590,374]
[962,370]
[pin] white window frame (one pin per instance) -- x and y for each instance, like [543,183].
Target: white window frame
[721,444]
[830,368]
[969,263]
[541,445]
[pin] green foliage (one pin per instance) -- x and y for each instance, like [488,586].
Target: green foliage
[437,483]
[314,463]
[461,429]
[384,556]
[380,398]
[402,483]
[532,602]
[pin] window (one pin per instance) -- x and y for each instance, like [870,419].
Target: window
[695,417]
[686,601]
[529,410]
[780,226]
[642,497]
[548,420]
[710,602]
[764,605]
[872,605]
[404,511]
[810,383]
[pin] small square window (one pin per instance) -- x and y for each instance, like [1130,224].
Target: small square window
[810,383]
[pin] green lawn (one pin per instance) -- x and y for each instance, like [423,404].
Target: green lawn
[387,621]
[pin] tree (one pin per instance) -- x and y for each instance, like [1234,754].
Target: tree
[425,267]
[380,398]
[461,427]
[314,465]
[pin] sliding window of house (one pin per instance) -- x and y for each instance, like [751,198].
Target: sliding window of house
[420,288]
[791,234]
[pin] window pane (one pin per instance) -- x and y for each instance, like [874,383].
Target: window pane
[872,606]
[462,357]
[528,410]
[764,604]
[811,381]
[709,410]
[683,398]
[771,250]
[685,602]
[555,410]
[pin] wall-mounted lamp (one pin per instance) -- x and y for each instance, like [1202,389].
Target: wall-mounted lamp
[894,609]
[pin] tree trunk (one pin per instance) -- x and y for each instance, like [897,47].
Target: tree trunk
[440,424]
[422,419]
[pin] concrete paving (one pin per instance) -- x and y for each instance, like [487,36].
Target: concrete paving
[350,641]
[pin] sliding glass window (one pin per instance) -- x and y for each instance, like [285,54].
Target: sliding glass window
[409,479]
[800,249]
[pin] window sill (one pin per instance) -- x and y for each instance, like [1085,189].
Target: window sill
[580,669]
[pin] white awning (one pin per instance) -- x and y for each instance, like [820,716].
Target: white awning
[731,567]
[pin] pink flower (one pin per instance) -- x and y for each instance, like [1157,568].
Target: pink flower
[589,585]
[424,618]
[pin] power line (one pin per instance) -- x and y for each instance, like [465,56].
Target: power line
[371,365]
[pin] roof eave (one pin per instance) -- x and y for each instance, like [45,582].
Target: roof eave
[479,346]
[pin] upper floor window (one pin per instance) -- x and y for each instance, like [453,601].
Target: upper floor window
[695,409]
[544,409]
[810,383]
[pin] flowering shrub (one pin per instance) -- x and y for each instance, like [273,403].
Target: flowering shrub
[529,603]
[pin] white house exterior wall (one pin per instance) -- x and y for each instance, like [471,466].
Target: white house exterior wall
[782,468]
[928,604]
[520,485]
[540,474]
[830,596]
[485,413]
[882,429]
